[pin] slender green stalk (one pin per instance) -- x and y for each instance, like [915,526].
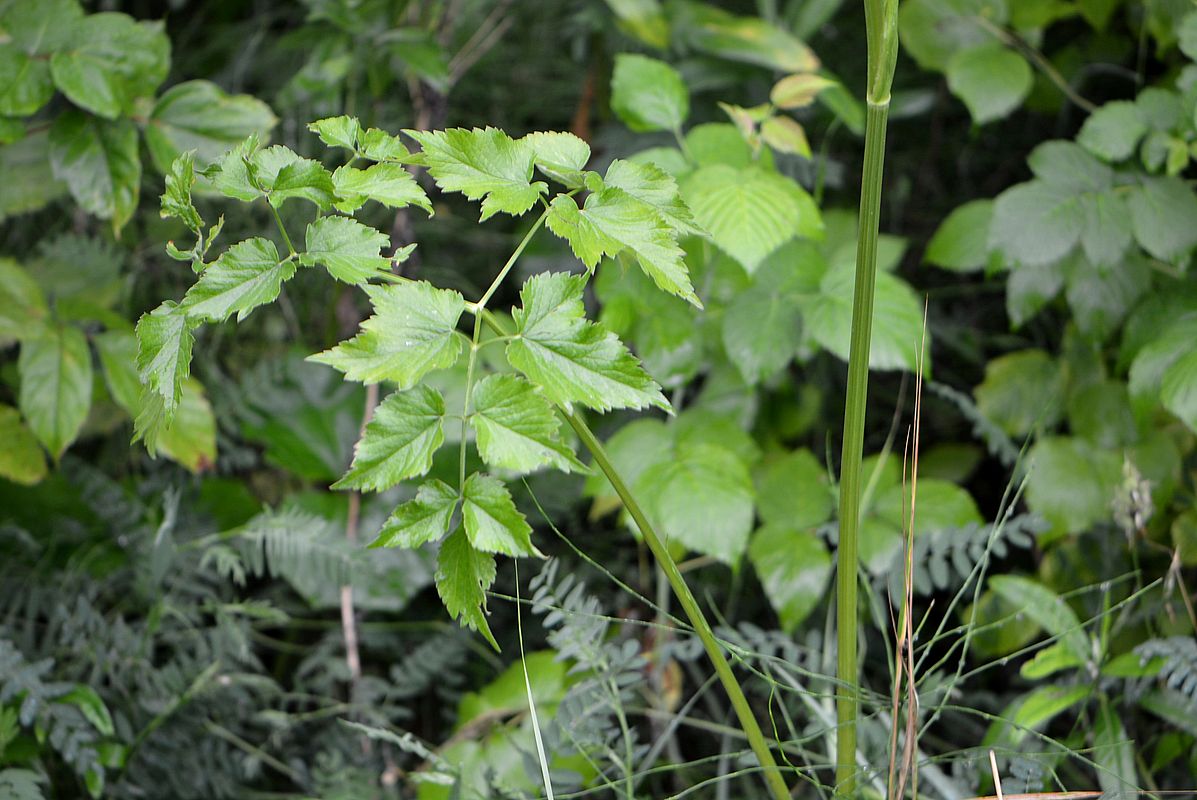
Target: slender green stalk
[881,24]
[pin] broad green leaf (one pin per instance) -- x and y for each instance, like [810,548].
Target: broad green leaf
[1034,710]
[98,160]
[463,574]
[1101,413]
[1101,296]
[897,319]
[164,343]
[22,305]
[1049,661]
[1022,392]
[792,492]
[388,184]
[1030,288]
[25,82]
[492,522]
[635,447]
[412,332]
[40,28]
[961,243]
[1036,223]
[654,186]
[1178,392]
[762,331]
[1113,131]
[1072,484]
[560,156]
[399,441]
[21,459]
[793,566]
[572,359]
[379,145]
[339,131]
[29,179]
[1067,165]
[933,30]
[1187,35]
[1164,217]
[1107,232]
[648,95]
[517,428]
[991,80]
[485,165]
[939,506]
[200,116]
[424,519]
[247,275]
[118,358]
[1184,537]
[231,175]
[750,212]
[751,40]
[702,499]
[110,61]
[349,250]
[91,706]
[286,176]
[698,425]
[643,19]
[1159,353]
[613,221]
[56,382]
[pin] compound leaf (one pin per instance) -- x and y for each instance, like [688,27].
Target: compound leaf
[484,164]
[463,574]
[349,250]
[492,522]
[247,275]
[424,519]
[399,441]
[517,428]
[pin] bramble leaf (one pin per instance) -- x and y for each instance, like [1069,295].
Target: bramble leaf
[164,344]
[652,185]
[961,241]
[349,250]
[762,331]
[648,95]
[484,164]
[424,519]
[793,566]
[463,574]
[1113,131]
[388,184]
[399,441]
[22,304]
[572,359]
[492,522]
[98,160]
[56,383]
[109,61]
[247,275]
[517,428]
[412,332]
[379,145]
[1164,217]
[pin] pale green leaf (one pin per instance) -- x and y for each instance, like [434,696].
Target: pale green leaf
[379,145]
[793,492]
[751,40]
[412,332]
[21,458]
[424,519]
[22,305]
[164,343]
[339,131]
[933,30]
[762,331]
[656,187]
[635,447]
[1107,232]
[463,574]
[297,178]
[56,383]
[1022,392]
[118,358]
[1036,223]
[399,442]
[200,116]
[1072,483]
[648,95]
[1101,296]
[349,250]
[388,184]
[176,200]
[701,499]
[961,243]
[109,61]
[750,212]
[560,156]
[991,80]
[25,82]
[1049,661]
[793,566]
[517,427]
[98,160]
[1113,131]
[785,135]
[1178,391]
[1034,710]
[247,275]
[798,91]
[485,165]
[572,359]
[1047,610]
[1164,217]
[492,522]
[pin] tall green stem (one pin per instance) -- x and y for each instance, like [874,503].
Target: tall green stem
[881,24]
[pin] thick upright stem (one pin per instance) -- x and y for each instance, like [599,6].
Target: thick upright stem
[848,694]
[756,739]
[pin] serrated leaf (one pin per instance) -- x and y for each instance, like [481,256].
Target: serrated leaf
[648,95]
[491,521]
[424,519]
[793,491]
[572,359]
[98,160]
[21,459]
[176,200]
[561,156]
[482,164]
[750,212]
[991,80]
[412,332]
[349,250]
[200,116]
[379,145]
[399,441]
[1022,392]
[164,343]
[762,330]
[1113,131]
[1164,217]
[1072,483]
[1036,223]
[961,241]
[22,304]
[56,382]
[649,183]
[117,350]
[793,566]
[187,436]
[247,275]
[25,82]
[702,499]
[463,574]
[388,184]
[231,176]
[517,428]
[299,178]
[109,61]
[342,131]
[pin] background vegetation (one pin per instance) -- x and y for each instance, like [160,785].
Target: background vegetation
[211,622]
